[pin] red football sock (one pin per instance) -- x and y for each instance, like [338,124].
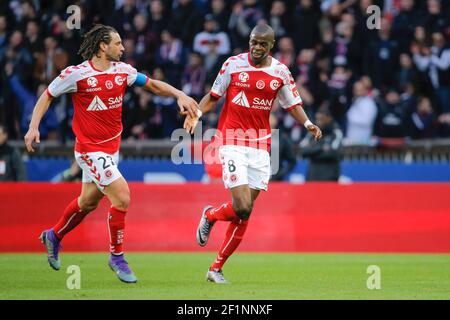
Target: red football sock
[223,213]
[232,240]
[116,227]
[71,217]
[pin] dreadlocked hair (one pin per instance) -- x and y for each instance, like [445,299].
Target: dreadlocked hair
[92,39]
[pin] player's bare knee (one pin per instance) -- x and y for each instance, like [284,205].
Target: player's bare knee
[87,205]
[122,202]
[243,210]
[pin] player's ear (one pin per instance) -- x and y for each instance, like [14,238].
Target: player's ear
[273,43]
[103,46]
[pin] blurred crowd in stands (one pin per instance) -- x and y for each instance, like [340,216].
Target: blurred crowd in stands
[392,82]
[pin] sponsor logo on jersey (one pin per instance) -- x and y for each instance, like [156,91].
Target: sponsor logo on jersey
[295,92]
[260,84]
[115,102]
[96,105]
[92,82]
[241,100]
[119,80]
[109,84]
[262,104]
[274,84]
[93,89]
[243,77]
[242,85]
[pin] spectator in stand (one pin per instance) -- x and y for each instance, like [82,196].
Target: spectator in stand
[245,16]
[361,116]
[171,57]
[166,109]
[421,38]
[11,164]
[338,86]
[346,49]
[307,34]
[422,124]
[381,58]
[27,14]
[122,19]
[185,21]
[33,41]
[285,148]
[211,35]
[406,73]
[361,16]
[16,53]
[435,62]
[435,19]
[404,24]
[220,14]
[280,20]
[51,46]
[324,155]
[27,99]
[129,54]
[3,33]
[157,22]
[142,38]
[444,125]
[286,52]
[390,121]
[194,77]
[141,119]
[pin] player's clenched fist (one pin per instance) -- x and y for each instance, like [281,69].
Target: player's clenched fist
[32,135]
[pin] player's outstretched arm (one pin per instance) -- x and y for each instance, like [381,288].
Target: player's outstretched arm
[206,104]
[39,110]
[299,114]
[187,104]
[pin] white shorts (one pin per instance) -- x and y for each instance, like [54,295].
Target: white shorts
[245,165]
[99,167]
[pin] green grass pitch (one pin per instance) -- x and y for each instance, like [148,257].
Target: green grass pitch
[253,276]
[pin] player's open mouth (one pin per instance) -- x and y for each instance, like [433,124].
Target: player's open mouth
[257,55]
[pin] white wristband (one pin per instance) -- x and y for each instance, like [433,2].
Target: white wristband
[308,123]
[199,113]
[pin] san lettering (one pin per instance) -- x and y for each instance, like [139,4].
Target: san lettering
[115,102]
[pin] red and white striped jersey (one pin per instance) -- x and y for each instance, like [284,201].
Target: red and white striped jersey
[97,99]
[251,92]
